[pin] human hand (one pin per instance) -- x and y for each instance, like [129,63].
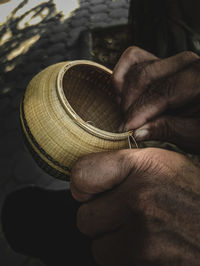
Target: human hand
[141,207]
[160,98]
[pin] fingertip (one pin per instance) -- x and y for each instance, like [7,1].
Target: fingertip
[129,125]
[79,195]
[142,133]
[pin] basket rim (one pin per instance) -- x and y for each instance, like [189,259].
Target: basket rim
[71,112]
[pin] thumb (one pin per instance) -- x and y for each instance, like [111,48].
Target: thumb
[99,172]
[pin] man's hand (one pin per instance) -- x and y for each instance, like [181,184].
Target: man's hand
[160,98]
[141,207]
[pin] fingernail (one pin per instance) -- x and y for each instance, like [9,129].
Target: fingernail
[141,133]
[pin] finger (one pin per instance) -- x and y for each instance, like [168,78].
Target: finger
[124,248]
[140,76]
[103,214]
[99,172]
[112,250]
[149,105]
[159,129]
[118,248]
[184,132]
[168,93]
[162,68]
[133,55]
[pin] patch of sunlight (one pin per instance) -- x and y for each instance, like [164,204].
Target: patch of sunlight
[7,8]
[10,67]
[6,90]
[35,20]
[44,12]
[29,20]
[6,37]
[31,4]
[66,7]
[23,47]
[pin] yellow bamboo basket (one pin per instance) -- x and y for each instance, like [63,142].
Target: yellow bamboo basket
[68,110]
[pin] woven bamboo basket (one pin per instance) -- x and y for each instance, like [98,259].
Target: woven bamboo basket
[68,110]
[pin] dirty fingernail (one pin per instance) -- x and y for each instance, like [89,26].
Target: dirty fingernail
[141,133]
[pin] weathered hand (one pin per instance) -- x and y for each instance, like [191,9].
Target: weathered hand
[160,98]
[142,207]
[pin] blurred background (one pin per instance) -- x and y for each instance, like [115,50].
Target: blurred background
[33,35]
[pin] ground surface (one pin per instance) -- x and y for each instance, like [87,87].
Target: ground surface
[32,38]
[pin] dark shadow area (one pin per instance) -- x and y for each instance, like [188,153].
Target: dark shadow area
[42,223]
[165,28]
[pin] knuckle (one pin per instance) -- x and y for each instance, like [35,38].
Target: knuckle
[144,74]
[190,54]
[144,77]
[139,76]
[152,164]
[145,161]
[134,53]
[131,51]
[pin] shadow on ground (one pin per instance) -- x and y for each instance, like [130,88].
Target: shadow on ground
[31,42]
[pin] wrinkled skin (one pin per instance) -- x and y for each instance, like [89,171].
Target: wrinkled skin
[160,98]
[141,207]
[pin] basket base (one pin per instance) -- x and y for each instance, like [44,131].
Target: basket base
[44,165]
